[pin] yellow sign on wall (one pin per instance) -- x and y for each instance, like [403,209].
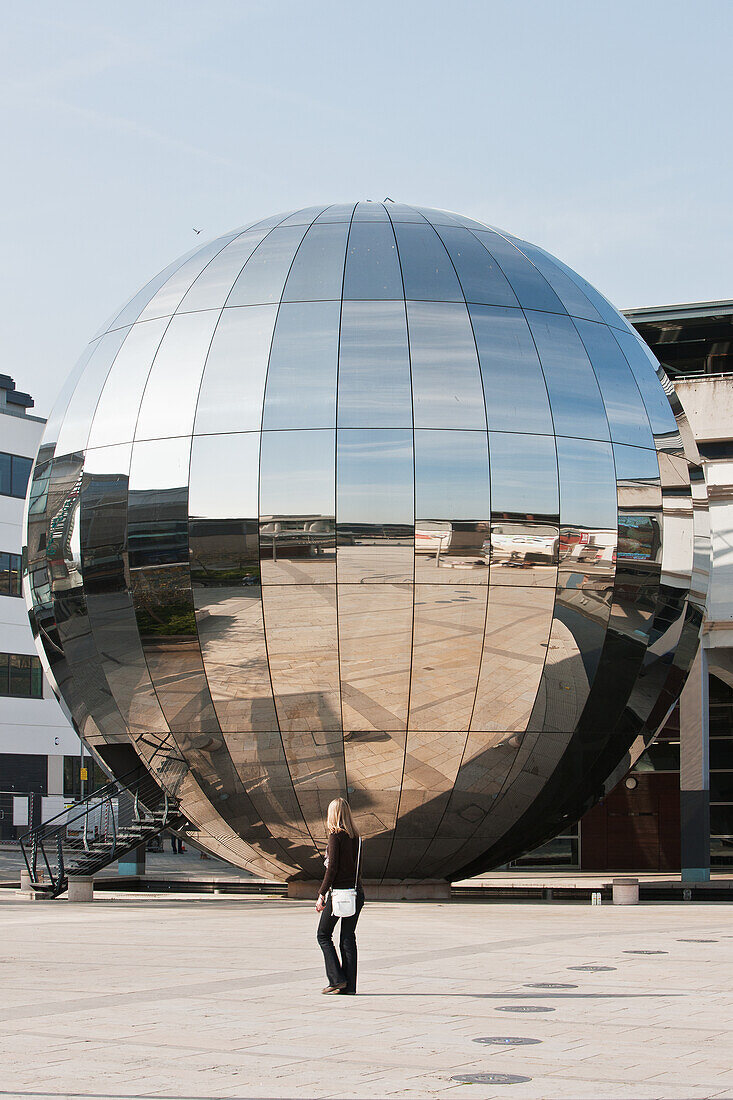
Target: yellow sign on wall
[84,773]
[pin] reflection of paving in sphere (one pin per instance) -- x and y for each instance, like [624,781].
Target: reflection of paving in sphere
[366,500]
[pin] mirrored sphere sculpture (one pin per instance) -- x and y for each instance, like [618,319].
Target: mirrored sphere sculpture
[368,500]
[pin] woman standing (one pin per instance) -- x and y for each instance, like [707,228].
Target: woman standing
[341,874]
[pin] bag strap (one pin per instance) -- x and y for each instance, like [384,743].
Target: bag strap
[358,858]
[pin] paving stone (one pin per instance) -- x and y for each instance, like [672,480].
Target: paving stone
[199,997]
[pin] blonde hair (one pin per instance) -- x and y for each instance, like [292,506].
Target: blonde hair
[339,819]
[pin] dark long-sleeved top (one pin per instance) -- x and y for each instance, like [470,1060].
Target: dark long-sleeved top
[341,869]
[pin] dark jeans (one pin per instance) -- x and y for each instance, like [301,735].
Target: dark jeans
[344,970]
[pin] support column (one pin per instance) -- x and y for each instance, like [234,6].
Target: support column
[695,773]
[55,775]
[134,862]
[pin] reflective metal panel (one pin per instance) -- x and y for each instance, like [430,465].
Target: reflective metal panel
[572,296]
[161,585]
[80,410]
[427,271]
[225,573]
[602,306]
[524,510]
[158,513]
[316,763]
[167,626]
[449,217]
[232,639]
[92,695]
[375,505]
[169,400]
[374,764]
[398,212]
[529,285]
[588,514]
[446,654]
[375,640]
[372,265]
[370,212]
[306,216]
[211,288]
[626,416]
[374,388]
[635,595]
[132,309]
[106,582]
[297,536]
[61,404]
[233,383]
[301,377]
[263,276]
[573,654]
[262,768]
[339,212]
[486,762]
[645,367]
[575,400]
[432,760]
[451,507]
[302,644]
[166,300]
[481,278]
[446,381]
[116,413]
[514,649]
[514,386]
[317,273]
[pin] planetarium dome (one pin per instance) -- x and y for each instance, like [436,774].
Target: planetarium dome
[367,500]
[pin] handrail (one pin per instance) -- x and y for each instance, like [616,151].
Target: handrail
[139,805]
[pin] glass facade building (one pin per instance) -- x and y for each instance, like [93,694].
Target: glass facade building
[375,501]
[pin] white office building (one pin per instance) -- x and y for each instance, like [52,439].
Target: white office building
[39,749]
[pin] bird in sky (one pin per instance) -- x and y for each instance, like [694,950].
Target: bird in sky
[197,230]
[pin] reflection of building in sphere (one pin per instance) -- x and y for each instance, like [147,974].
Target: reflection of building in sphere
[373,501]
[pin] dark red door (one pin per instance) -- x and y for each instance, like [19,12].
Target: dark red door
[634,829]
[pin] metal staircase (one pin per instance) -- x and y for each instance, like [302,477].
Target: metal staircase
[109,824]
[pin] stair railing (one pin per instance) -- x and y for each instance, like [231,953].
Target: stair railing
[111,821]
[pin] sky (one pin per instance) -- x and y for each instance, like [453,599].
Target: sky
[599,129]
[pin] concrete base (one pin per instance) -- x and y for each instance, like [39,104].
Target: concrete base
[626,891]
[429,890]
[25,889]
[81,889]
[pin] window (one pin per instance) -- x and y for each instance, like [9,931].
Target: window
[20,676]
[14,473]
[9,574]
[96,777]
[24,773]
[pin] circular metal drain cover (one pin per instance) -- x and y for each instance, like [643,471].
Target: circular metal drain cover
[507,1041]
[490,1078]
[549,985]
[697,941]
[591,969]
[524,1008]
[646,952]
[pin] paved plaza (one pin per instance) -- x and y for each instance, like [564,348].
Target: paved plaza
[140,996]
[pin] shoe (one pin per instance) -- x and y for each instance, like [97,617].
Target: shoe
[335,988]
[349,992]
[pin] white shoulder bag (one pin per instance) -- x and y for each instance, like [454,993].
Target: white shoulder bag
[343,902]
